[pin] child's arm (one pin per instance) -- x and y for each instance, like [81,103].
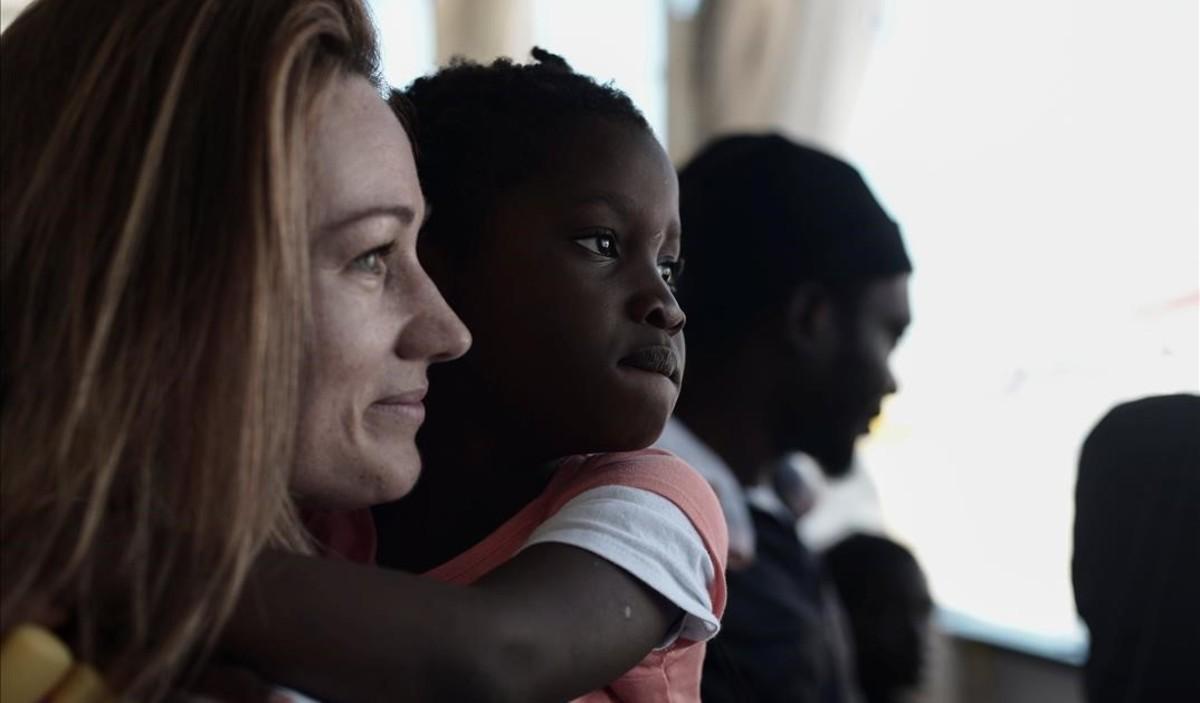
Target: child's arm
[552,623]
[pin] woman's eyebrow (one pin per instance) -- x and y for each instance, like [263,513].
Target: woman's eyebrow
[405,214]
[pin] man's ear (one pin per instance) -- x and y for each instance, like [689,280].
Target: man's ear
[810,320]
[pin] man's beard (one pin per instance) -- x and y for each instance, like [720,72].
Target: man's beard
[833,455]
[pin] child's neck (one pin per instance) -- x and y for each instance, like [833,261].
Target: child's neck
[472,482]
[729,419]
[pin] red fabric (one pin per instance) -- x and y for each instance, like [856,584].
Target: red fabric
[346,534]
[669,675]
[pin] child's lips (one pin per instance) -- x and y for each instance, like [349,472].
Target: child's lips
[658,359]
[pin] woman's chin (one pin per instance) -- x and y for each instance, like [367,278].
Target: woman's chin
[363,485]
[394,480]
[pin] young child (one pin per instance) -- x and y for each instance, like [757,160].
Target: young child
[594,566]
[554,234]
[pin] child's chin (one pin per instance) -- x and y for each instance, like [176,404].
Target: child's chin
[638,435]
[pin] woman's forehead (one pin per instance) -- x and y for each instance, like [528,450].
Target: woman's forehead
[359,155]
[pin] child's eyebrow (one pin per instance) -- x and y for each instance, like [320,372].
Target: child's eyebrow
[615,201]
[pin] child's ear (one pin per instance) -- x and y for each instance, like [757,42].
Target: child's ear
[810,321]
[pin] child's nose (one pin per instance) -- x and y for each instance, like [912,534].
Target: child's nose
[658,308]
[668,317]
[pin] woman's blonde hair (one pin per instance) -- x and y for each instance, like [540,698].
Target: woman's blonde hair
[154,262]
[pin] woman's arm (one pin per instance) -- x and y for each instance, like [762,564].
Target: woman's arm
[552,623]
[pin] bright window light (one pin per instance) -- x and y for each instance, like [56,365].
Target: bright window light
[1041,157]
[623,41]
[407,39]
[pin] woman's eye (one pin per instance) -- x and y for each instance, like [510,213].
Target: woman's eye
[670,272]
[373,262]
[602,244]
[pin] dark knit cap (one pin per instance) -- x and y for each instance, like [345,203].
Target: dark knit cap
[761,214]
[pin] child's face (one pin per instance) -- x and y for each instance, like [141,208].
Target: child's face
[578,337]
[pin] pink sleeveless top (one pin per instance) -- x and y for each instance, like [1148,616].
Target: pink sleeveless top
[343,534]
[671,674]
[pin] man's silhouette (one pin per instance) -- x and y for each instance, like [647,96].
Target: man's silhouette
[796,293]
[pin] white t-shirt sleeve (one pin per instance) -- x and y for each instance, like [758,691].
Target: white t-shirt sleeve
[651,538]
[280,694]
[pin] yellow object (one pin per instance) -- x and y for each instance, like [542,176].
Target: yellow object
[83,685]
[32,662]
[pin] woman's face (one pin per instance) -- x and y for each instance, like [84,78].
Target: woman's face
[378,320]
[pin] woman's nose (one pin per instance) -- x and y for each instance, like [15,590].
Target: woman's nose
[434,333]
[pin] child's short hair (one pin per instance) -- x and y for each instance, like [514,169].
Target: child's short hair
[483,129]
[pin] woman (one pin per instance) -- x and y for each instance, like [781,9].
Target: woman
[208,224]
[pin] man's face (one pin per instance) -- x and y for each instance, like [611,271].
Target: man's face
[847,388]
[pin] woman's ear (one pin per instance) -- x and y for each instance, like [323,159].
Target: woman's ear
[810,321]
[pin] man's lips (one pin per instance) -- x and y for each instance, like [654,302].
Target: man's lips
[655,359]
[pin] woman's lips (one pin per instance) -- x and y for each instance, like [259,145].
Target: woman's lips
[408,405]
[413,397]
[655,359]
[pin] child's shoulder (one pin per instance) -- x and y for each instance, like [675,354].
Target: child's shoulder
[642,457]
[654,470]
[645,466]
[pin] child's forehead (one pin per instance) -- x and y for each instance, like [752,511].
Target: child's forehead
[629,196]
[581,142]
[611,165]
[599,169]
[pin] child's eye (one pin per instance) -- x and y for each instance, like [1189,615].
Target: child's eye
[373,262]
[602,243]
[670,272]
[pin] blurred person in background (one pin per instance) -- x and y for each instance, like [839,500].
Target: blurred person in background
[796,293]
[886,600]
[1136,564]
